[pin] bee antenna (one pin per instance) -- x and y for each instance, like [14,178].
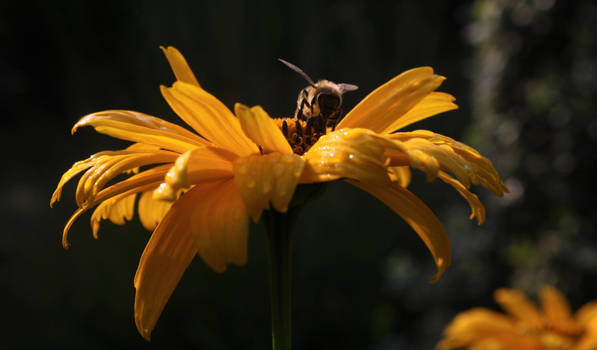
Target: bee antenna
[298,70]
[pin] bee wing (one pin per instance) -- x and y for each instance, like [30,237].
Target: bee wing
[347,87]
[298,70]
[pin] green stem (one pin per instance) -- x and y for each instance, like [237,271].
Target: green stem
[279,246]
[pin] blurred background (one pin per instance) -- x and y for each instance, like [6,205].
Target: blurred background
[525,77]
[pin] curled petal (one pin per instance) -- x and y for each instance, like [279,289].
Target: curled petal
[209,117]
[117,209]
[262,129]
[412,210]
[199,165]
[265,179]
[382,107]
[357,154]
[219,224]
[477,208]
[139,127]
[400,174]
[516,304]
[179,65]
[151,211]
[478,168]
[432,104]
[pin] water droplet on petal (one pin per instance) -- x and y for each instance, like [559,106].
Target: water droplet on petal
[251,183]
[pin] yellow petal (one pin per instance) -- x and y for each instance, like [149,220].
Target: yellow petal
[265,179]
[400,174]
[473,326]
[179,65]
[555,306]
[587,314]
[432,104]
[262,129]
[98,176]
[382,107]
[209,117]
[117,209]
[140,182]
[69,174]
[412,210]
[477,168]
[120,190]
[152,211]
[193,167]
[357,154]
[516,304]
[139,127]
[165,258]
[219,224]
[477,208]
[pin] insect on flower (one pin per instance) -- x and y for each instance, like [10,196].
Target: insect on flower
[197,187]
[320,104]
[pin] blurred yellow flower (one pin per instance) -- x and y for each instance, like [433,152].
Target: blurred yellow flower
[197,189]
[524,327]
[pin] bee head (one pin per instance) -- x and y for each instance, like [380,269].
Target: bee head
[329,102]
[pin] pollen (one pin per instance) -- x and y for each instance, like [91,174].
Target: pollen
[301,135]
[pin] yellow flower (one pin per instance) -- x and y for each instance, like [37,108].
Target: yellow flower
[234,166]
[524,327]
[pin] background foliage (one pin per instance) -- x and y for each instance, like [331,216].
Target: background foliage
[523,72]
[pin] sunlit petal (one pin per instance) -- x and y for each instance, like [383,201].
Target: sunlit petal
[262,129]
[477,208]
[432,104]
[179,65]
[139,127]
[358,154]
[478,169]
[209,117]
[410,208]
[382,107]
[270,178]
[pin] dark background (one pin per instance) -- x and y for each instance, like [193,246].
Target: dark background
[524,75]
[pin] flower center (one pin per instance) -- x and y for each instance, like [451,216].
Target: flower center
[301,135]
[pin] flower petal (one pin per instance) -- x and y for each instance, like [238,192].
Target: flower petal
[432,104]
[219,224]
[477,208]
[262,129]
[357,154]
[418,216]
[165,258]
[117,209]
[382,107]
[587,314]
[400,174]
[179,65]
[265,179]
[557,311]
[139,127]
[209,117]
[469,162]
[476,326]
[151,211]
[195,166]
[516,304]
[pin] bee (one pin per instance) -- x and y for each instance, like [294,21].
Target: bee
[319,103]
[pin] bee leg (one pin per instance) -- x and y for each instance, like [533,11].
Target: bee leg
[299,112]
[336,119]
[285,129]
